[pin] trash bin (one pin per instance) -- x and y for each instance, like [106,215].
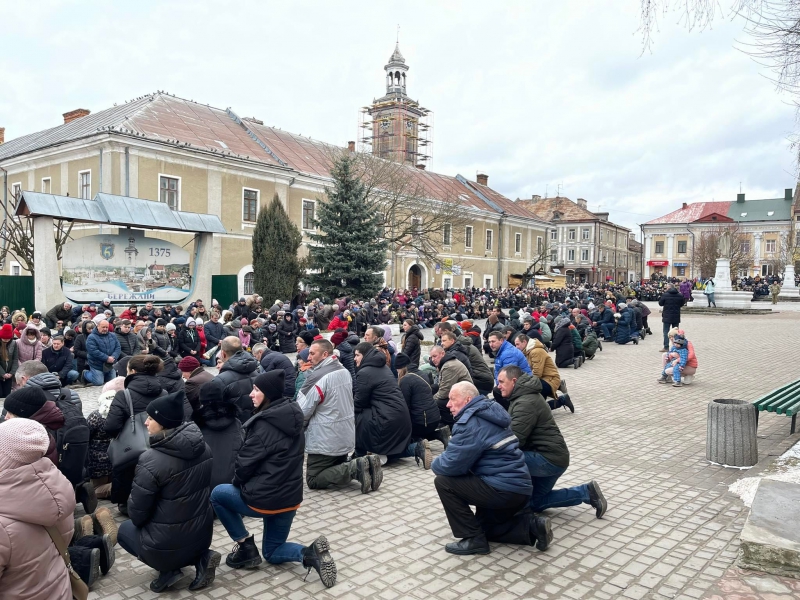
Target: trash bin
[731,433]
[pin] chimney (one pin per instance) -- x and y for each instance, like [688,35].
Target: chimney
[740,197]
[685,205]
[253,120]
[421,167]
[582,203]
[483,179]
[2,135]
[351,146]
[535,198]
[70,116]
[787,193]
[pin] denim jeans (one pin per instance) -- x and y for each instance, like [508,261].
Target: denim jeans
[544,475]
[408,452]
[229,506]
[72,377]
[98,376]
[710,298]
[128,538]
[608,330]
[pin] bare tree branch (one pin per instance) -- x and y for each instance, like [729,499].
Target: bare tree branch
[705,252]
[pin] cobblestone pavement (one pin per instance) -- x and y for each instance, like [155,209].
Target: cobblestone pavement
[671,530]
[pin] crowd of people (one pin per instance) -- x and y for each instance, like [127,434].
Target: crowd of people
[174,446]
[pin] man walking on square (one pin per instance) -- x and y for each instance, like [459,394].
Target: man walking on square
[546,452]
[483,466]
[671,301]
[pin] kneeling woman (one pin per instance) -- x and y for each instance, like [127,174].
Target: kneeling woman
[171,521]
[268,484]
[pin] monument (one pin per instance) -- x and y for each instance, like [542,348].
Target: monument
[724,294]
[789,288]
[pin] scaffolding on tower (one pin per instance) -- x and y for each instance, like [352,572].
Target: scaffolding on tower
[397,128]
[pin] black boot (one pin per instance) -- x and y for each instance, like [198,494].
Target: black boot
[564,401]
[104,545]
[422,454]
[317,556]
[443,434]
[206,570]
[375,470]
[473,545]
[596,499]
[164,580]
[244,556]
[84,494]
[86,563]
[123,509]
[541,532]
[359,471]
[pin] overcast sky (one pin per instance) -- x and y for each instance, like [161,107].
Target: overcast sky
[535,94]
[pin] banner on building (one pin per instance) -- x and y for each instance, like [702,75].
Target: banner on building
[125,267]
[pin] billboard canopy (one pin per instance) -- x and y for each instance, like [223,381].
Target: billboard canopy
[122,211]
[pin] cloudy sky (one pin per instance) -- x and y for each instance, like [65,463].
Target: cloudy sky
[538,95]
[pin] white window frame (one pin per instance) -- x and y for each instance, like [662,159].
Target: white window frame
[469,237]
[14,187]
[258,204]
[12,264]
[554,256]
[539,244]
[180,188]
[572,234]
[468,278]
[250,273]
[585,233]
[80,184]
[517,244]
[49,185]
[302,207]
[584,255]
[571,255]
[488,279]
[768,243]
[489,240]
[678,246]
[447,282]
[554,235]
[655,247]
[447,230]
[747,242]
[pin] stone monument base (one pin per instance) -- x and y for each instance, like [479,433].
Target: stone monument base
[723,299]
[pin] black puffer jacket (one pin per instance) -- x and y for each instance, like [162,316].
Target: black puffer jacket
[269,467]
[422,408]
[346,355]
[562,344]
[188,340]
[287,333]
[383,425]
[143,389]
[169,501]
[79,348]
[128,344]
[170,377]
[410,343]
[222,432]
[481,374]
[671,300]
[461,354]
[163,345]
[235,381]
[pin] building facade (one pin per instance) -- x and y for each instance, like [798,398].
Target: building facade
[765,229]
[585,246]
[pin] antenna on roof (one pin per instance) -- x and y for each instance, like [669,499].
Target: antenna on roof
[398,33]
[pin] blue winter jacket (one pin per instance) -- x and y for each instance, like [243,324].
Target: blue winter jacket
[483,444]
[214,333]
[99,347]
[624,326]
[510,355]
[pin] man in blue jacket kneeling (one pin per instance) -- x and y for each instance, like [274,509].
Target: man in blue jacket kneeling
[483,466]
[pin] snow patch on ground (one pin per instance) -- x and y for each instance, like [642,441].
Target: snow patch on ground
[785,468]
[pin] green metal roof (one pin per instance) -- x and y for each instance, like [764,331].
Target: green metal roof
[775,209]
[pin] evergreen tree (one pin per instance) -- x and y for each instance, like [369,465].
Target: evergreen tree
[276,267]
[349,253]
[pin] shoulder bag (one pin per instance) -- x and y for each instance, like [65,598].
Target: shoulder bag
[125,449]
[80,591]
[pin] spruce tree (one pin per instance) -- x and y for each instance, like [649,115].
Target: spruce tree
[276,267]
[349,252]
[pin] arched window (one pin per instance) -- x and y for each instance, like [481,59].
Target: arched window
[397,77]
[249,284]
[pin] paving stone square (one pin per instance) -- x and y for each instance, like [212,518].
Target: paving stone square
[671,530]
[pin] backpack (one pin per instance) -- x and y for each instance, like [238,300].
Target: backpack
[72,440]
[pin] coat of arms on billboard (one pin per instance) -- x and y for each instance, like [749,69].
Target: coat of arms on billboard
[107,251]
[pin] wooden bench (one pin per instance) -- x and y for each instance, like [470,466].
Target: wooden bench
[784,400]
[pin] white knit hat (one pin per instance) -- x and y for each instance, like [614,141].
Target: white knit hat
[22,442]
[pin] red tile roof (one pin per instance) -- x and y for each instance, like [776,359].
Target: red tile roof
[693,212]
[545,207]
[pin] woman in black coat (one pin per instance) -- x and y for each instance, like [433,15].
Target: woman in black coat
[189,340]
[170,377]
[287,332]
[79,346]
[268,484]
[221,430]
[171,522]
[422,408]
[562,344]
[410,343]
[383,425]
[143,385]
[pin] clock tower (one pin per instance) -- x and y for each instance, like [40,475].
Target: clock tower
[394,126]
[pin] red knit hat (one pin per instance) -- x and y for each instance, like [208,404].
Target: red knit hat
[338,337]
[465,325]
[6,332]
[188,364]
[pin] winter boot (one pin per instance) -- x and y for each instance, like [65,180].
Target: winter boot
[84,494]
[104,545]
[541,532]
[123,509]
[600,345]
[86,563]
[359,471]
[104,524]
[422,454]
[576,362]
[317,556]
[206,569]
[443,434]
[375,470]
[596,499]
[164,580]
[244,556]
[562,387]
[83,527]
[566,402]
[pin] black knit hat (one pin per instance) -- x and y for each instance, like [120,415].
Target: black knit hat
[401,360]
[167,410]
[306,336]
[26,402]
[271,384]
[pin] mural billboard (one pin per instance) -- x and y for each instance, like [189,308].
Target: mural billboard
[125,267]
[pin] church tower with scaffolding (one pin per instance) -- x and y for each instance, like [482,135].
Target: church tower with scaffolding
[395,127]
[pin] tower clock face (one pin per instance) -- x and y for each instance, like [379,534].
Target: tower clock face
[409,125]
[385,124]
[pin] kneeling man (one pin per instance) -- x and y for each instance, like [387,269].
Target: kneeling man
[484,467]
